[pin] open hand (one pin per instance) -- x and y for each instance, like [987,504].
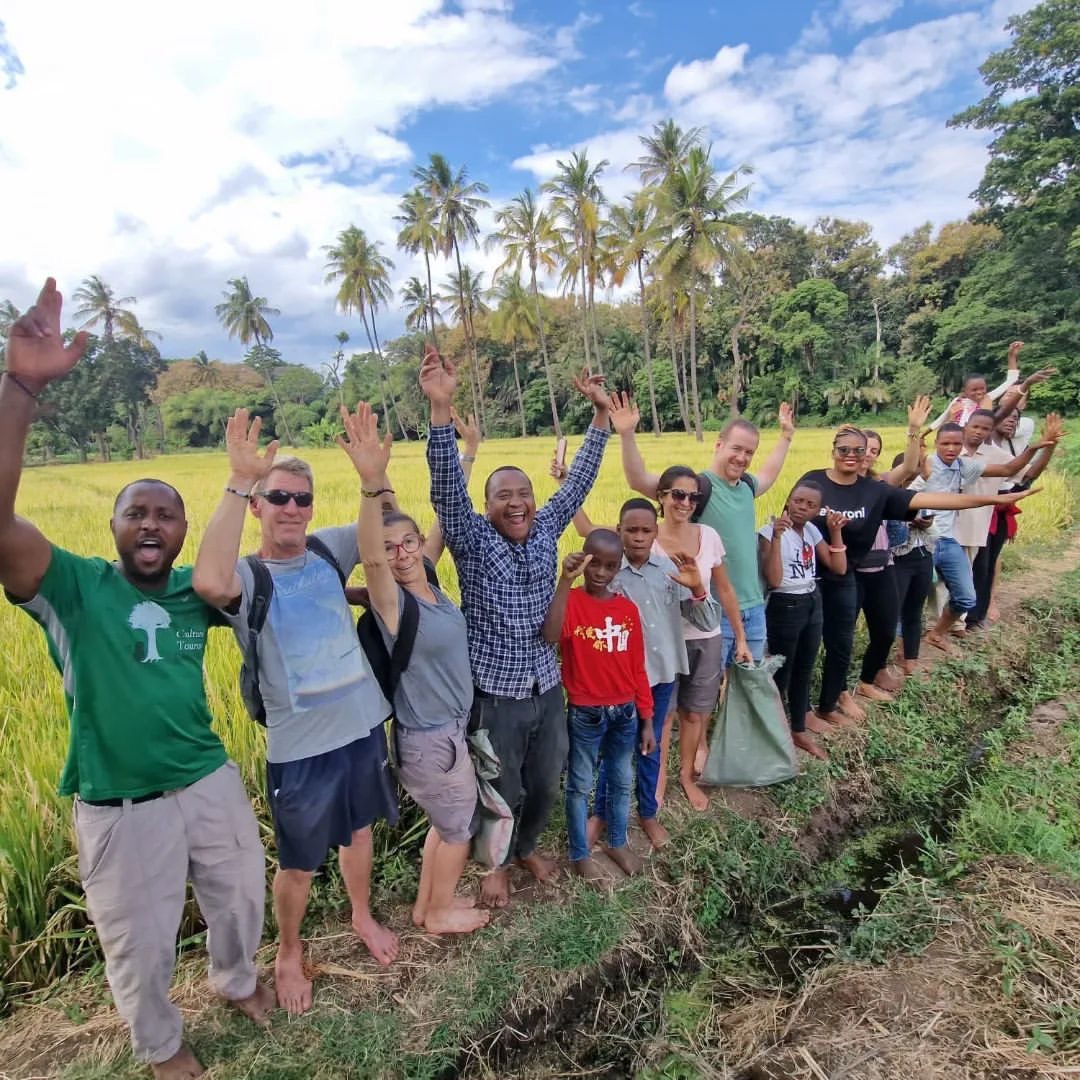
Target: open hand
[688,572]
[1037,377]
[242,443]
[1010,497]
[468,430]
[623,413]
[370,455]
[438,377]
[574,564]
[1053,429]
[592,387]
[786,418]
[35,351]
[917,412]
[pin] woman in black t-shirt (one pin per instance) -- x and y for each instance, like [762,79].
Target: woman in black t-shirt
[865,503]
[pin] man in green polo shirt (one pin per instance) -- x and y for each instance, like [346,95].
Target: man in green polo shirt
[157,802]
[730,506]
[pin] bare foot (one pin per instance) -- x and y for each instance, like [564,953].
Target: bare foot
[851,707]
[591,871]
[818,725]
[292,986]
[419,912]
[958,630]
[594,829]
[381,942]
[456,920]
[837,719]
[258,1005]
[886,680]
[807,742]
[629,863]
[909,667]
[657,834]
[872,692]
[495,889]
[993,612]
[183,1065]
[935,639]
[694,795]
[540,866]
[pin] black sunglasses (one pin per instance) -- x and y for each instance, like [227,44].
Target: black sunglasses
[850,451]
[278,497]
[682,496]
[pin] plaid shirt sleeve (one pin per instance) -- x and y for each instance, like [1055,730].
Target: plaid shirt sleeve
[449,495]
[559,510]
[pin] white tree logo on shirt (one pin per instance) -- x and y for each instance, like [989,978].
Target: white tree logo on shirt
[150,618]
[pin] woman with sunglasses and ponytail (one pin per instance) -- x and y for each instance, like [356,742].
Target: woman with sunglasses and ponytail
[678,494]
[865,502]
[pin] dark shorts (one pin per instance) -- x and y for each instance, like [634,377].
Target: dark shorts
[317,803]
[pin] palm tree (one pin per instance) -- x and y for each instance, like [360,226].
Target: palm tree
[513,322]
[666,150]
[9,315]
[130,328]
[100,305]
[638,234]
[457,201]
[244,316]
[464,294]
[363,273]
[205,373]
[697,205]
[421,312]
[526,234]
[576,199]
[420,233]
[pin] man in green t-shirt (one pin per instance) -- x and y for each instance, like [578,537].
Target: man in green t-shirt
[730,506]
[157,802]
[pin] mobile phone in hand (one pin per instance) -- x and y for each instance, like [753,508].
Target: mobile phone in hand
[560,453]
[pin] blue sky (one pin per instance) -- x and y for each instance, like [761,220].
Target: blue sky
[171,157]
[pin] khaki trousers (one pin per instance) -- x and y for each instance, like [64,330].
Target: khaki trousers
[135,861]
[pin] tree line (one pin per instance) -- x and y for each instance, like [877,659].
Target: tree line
[723,311]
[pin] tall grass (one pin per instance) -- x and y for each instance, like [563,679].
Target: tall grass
[40,916]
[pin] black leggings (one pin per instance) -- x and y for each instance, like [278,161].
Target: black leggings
[914,580]
[793,622]
[982,570]
[880,606]
[840,607]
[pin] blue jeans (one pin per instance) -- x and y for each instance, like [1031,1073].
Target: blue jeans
[648,768]
[951,563]
[753,620]
[607,732]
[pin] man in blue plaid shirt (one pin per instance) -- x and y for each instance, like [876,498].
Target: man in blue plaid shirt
[506,561]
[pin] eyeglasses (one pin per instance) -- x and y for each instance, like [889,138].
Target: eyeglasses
[681,496]
[278,497]
[410,544]
[849,451]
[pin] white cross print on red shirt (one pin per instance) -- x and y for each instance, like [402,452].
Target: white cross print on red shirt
[614,635]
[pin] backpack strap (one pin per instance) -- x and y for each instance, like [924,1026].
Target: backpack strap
[405,640]
[433,574]
[317,547]
[258,609]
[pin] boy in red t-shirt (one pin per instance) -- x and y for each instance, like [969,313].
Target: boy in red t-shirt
[607,688]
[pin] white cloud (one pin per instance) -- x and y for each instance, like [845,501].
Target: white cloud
[860,13]
[686,80]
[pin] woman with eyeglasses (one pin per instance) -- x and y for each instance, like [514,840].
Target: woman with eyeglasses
[678,494]
[435,693]
[865,502]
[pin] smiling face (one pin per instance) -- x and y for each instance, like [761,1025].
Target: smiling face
[803,505]
[948,445]
[975,387]
[404,546]
[734,452]
[679,500]
[149,527]
[284,528]
[510,504]
[637,529]
[873,452]
[849,452]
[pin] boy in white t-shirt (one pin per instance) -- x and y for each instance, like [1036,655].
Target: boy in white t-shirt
[789,548]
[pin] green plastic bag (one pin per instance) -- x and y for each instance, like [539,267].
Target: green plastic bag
[751,741]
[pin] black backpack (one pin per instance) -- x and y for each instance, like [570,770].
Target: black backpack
[386,665]
[258,609]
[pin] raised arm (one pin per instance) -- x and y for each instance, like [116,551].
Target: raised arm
[770,552]
[583,524]
[215,578]
[699,609]
[36,354]
[1012,376]
[567,501]
[449,493]
[370,457]
[945,500]
[767,474]
[1051,433]
[624,419]
[573,565]
[909,467]
[1012,397]
[469,431]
